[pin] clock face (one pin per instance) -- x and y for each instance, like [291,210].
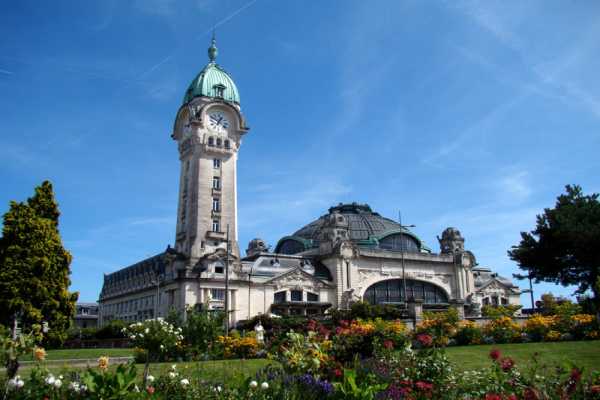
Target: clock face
[217,121]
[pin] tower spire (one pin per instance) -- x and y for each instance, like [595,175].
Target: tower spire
[212,50]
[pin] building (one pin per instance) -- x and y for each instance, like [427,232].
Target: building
[350,253]
[86,315]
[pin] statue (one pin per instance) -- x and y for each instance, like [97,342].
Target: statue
[260,333]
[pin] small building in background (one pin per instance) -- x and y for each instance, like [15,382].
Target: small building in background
[86,315]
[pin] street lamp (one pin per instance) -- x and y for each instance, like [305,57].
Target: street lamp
[402,227]
[530,290]
[156,281]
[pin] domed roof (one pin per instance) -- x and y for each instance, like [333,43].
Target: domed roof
[365,227]
[213,81]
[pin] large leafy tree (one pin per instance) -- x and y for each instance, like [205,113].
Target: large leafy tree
[34,265]
[564,247]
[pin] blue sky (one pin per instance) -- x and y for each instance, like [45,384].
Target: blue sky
[457,113]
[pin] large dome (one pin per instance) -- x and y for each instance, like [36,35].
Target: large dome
[213,81]
[365,228]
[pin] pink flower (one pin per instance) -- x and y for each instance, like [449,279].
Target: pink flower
[530,394]
[424,386]
[425,339]
[388,344]
[492,396]
[495,354]
[150,389]
[506,364]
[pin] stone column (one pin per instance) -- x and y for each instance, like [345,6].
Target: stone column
[459,306]
[415,309]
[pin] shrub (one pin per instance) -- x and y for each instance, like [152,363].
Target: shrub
[537,326]
[503,330]
[112,330]
[235,346]
[441,326]
[468,332]
[499,311]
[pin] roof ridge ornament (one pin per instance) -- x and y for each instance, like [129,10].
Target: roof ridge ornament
[213,52]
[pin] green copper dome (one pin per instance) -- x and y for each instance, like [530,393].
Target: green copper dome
[213,81]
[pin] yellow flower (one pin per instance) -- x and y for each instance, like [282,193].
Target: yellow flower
[103,363]
[39,353]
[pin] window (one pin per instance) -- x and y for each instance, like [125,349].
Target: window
[504,301]
[219,142]
[219,90]
[296,295]
[227,144]
[312,297]
[216,163]
[216,182]
[219,269]
[216,226]
[216,204]
[211,141]
[217,294]
[279,297]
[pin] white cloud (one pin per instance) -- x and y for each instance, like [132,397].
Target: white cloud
[515,186]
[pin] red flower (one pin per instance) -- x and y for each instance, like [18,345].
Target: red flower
[388,344]
[311,325]
[495,354]
[575,375]
[530,394]
[492,396]
[512,397]
[425,339]
[425,386]
[595,389]
[338,373]
[506,364]
[150,389]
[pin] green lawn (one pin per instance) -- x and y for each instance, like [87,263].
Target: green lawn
[71,354]
[584,354]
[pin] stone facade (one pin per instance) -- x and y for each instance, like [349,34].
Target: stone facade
[351,253]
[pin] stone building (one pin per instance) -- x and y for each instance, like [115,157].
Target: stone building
[350,253]
[86,315]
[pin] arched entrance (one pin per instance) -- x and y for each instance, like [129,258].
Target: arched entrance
[391,291]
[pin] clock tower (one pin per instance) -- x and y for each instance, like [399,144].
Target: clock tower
[208,129]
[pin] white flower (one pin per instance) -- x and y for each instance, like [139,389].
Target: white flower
[14,382]
[184,382]
[173,367]
[162,347]
[50,380]
[20,383]
[150,379]
[264,386]
[147,330]
[136,389]
[253,384]
[57,383]
[74,386]
[172,374]
[218,388]
[132,337]
[60,377]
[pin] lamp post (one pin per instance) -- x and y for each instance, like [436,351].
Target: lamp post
[227,284]
[402,227]
[530,290]
[156,281]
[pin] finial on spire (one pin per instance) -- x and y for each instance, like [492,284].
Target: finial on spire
[212,50]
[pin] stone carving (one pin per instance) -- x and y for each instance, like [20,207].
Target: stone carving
[451,241]
[298,280]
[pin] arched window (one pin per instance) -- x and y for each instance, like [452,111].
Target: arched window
[392,291]
[219,142]
[398,241]
[211,141]
[227,145]
[290,246]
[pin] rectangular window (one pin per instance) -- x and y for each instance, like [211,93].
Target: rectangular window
[219,269]
[216,182]
[216,163]
[312,297]
[217,294]
[216,226]
[296,295]
[216,204]
[279,297]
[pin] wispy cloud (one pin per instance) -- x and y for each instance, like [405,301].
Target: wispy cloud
[6,72]
[515,186]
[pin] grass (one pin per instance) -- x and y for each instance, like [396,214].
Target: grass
[583,354]
[78,354]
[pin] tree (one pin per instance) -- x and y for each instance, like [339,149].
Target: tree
[564,248]
[34,266]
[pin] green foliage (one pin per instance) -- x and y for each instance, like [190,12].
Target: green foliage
[112,330]
[102,385]
[351,388]
[201,329]
[564,247]
[13,349]
[155,336]
[365,310]
[500,311]
[34,273]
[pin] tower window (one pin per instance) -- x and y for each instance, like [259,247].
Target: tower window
[216,182]
[227,144]
[219,142]
[211,141]
[219,90]
[216,163]
[216,225]
[216,204]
